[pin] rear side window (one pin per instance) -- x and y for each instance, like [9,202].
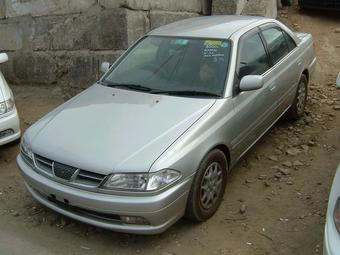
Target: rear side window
[290,41]
[253,59]
[277,43]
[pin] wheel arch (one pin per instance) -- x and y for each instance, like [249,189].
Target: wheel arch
[224,148]
[306,73]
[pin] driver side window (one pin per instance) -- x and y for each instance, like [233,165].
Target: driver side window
[253,59]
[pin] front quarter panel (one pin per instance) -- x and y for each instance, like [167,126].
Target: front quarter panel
[211,130]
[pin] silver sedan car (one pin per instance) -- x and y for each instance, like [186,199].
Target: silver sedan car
[155,139]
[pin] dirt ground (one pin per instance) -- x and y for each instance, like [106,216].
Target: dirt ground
[282,183]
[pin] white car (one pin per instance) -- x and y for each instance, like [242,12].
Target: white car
[332,228]
[9,119]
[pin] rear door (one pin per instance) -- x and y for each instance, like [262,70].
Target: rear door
[286,66]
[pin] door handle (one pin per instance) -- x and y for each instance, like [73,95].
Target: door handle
[299,63]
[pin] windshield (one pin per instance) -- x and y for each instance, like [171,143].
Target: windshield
[167,64]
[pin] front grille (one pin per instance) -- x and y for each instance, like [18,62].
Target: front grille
[89,177]
[65,172]
[44,163]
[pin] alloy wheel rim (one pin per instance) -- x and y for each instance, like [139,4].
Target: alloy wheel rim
[211,185]
[301,98]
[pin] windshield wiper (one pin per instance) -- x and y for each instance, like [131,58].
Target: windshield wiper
[154,91]
[127,85]
[186,93]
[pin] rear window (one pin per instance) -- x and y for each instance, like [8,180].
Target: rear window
[290,41]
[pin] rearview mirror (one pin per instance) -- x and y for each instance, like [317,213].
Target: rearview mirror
[105,67]
[251,82]
[3,58]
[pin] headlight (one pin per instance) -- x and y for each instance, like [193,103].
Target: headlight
[142,182]
[6,106]
[162,178]
[336,215]
[136,182]
[3,108]
[26,149]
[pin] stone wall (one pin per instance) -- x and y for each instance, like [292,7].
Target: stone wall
[267,8]
[63,42]
[228,6]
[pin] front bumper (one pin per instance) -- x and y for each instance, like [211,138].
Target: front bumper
[160,210]
[10,122]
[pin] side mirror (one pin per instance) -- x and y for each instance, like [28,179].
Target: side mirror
[3,58]
[105,67]
[251,82]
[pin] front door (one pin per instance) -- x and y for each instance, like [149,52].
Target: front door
[254,110]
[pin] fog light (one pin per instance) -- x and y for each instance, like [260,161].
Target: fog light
[134,220]
[7,132]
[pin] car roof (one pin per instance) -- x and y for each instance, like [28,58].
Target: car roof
[219,26]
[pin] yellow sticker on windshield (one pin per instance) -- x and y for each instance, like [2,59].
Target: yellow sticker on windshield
[213,43]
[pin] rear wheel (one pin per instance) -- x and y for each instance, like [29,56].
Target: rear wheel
[297,109]
[208,187]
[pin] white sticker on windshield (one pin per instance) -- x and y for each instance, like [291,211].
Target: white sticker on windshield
[181,41]
[214,49]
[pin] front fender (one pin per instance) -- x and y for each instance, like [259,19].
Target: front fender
[211,130]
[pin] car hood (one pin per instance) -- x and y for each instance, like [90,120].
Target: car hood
[107,130]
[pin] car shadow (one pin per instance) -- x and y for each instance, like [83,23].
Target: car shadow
[9,151]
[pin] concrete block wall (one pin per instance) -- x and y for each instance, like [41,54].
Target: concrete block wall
[267,8]
[228,6]
[62,42]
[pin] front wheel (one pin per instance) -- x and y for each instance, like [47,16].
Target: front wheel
[208,187]
[297,108]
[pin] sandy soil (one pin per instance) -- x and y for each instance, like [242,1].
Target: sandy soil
[285,195]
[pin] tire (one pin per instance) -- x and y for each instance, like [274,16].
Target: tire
[297,108]
[208,187]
